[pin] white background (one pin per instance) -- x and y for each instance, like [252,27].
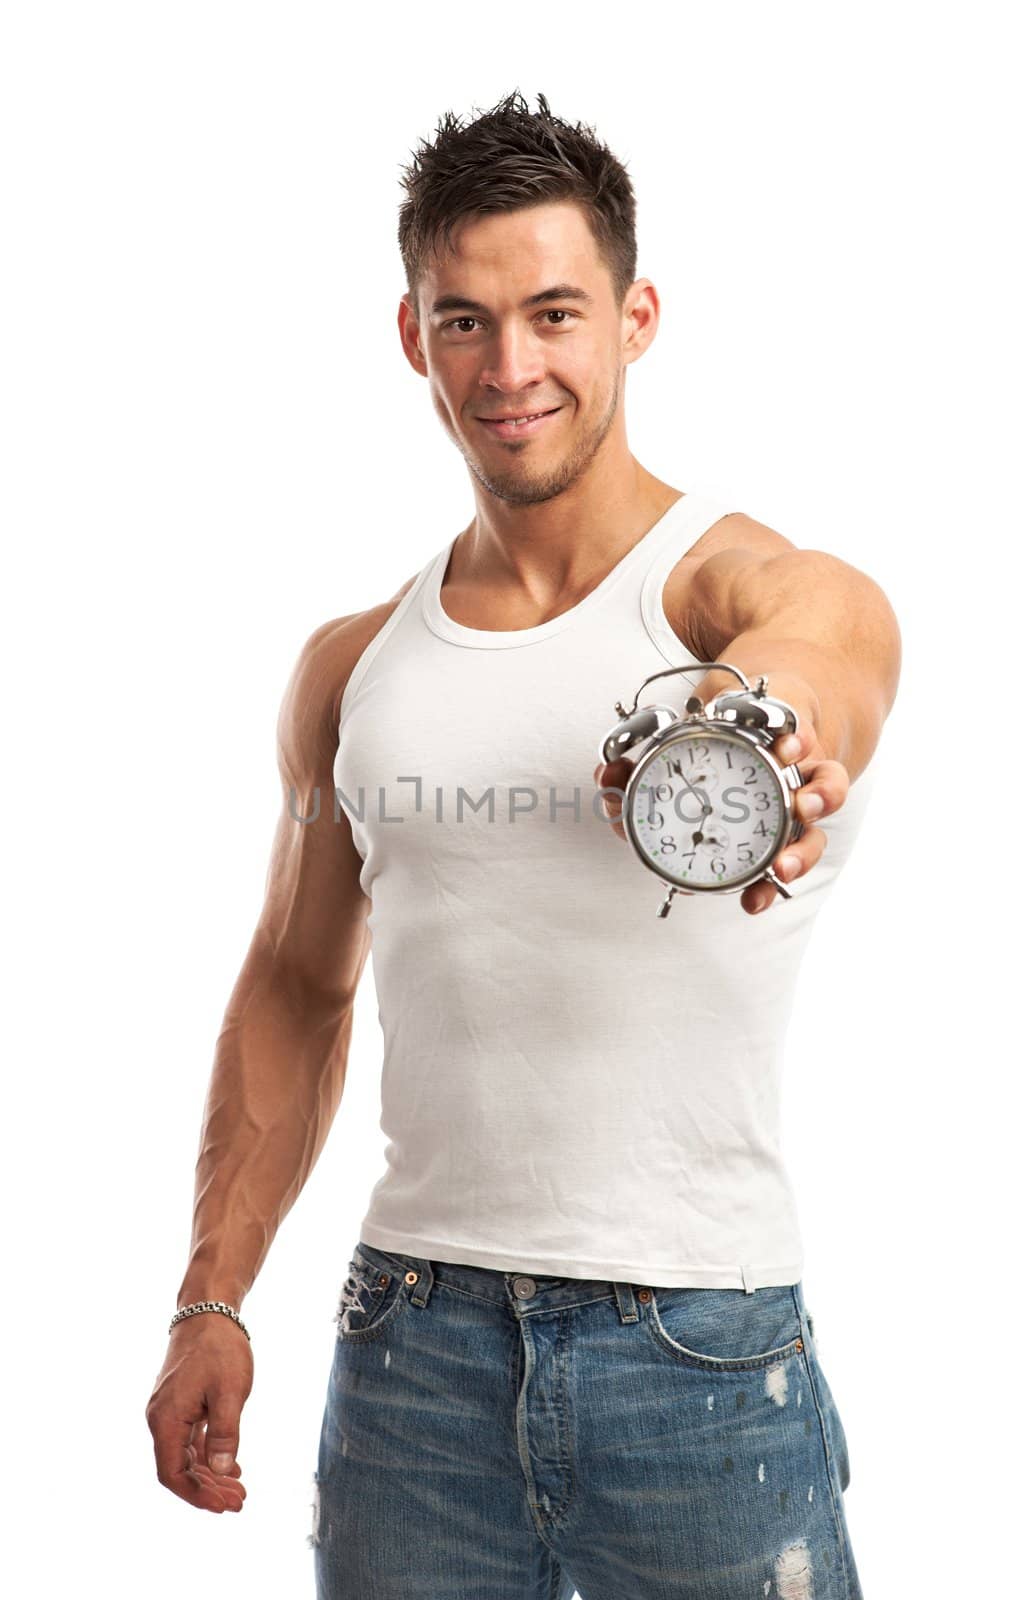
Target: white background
[212,443]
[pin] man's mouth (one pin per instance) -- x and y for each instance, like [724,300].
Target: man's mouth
[532,421]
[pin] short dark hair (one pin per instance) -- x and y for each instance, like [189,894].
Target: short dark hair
[509,158]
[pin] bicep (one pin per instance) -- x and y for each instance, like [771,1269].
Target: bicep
[807,595]
[314,920]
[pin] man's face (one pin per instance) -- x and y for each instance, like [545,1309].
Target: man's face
[488,352]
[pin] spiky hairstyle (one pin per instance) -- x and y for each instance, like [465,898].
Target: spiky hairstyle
[506,159]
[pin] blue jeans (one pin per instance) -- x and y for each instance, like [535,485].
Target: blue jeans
[495,1435]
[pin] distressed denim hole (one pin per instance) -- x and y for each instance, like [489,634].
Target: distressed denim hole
[313,1537]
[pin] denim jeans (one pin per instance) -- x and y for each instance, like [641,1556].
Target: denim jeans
[495,1435]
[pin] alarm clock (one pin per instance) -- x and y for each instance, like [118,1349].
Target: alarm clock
[708,806]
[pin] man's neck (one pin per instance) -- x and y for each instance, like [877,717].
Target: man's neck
[533,561]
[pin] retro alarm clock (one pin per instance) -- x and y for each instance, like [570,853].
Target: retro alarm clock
[708,806]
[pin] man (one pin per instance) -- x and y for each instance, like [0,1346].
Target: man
[573,1346]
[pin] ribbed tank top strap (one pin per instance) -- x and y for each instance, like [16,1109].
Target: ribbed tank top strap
[700,512]
[680,525]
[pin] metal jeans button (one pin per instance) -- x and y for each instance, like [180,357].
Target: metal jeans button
[523,1288]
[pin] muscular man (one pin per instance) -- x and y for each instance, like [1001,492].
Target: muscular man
[573,1344]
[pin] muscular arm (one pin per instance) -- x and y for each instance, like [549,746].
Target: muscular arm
[823,630]
[281,1054]
[280,1061]
[828,640]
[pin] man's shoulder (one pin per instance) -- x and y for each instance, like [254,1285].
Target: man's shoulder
[325,664]
[335,646]
[739,532]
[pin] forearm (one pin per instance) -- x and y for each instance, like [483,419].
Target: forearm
[819,682]
[275,1088]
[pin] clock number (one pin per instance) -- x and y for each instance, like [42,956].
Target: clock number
[751,770]
[748,856]
[719,866]
[668,844]
[653,817]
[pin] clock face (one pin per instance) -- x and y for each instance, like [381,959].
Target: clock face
[707,811]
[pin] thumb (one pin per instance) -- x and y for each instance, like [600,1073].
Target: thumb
[222,1439]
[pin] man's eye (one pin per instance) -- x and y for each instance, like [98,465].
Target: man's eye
[553,311]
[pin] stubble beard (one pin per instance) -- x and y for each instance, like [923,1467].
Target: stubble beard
[519,486]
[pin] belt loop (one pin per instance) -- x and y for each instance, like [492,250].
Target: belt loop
[625,1300]
[748,1280]
[419,1292]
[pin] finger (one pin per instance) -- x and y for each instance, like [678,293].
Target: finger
[611,778]
[205,1447]
[230,1490]
[174,1457]
[228,1485]
[614,774]
[790,865]
[789,747]
[222,1437]
[824,790]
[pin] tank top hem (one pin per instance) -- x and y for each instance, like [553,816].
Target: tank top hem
[747,1276]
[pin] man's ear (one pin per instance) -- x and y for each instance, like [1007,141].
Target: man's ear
[641,319]
[411,337]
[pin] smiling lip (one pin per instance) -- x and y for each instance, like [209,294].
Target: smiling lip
[505,430]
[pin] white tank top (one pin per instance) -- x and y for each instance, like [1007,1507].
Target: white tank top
[571,1085]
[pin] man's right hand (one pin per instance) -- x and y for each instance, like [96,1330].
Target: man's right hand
[194,1411]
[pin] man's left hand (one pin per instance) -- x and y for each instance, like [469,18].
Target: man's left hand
[824,790]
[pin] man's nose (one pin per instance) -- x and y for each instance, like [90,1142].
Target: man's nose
[514,361]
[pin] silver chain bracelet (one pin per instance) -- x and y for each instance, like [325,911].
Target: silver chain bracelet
[209,1305]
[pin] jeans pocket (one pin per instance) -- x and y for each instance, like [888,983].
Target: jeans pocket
[726,1330]
[369,1300]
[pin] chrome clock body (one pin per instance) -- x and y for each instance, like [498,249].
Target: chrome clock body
[708,805]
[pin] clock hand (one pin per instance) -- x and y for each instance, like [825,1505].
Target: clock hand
[675,766]
[696,790]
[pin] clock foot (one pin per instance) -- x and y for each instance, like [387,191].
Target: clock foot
[664,910]
[770,876]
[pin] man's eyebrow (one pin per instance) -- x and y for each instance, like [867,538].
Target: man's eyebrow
[558,291]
